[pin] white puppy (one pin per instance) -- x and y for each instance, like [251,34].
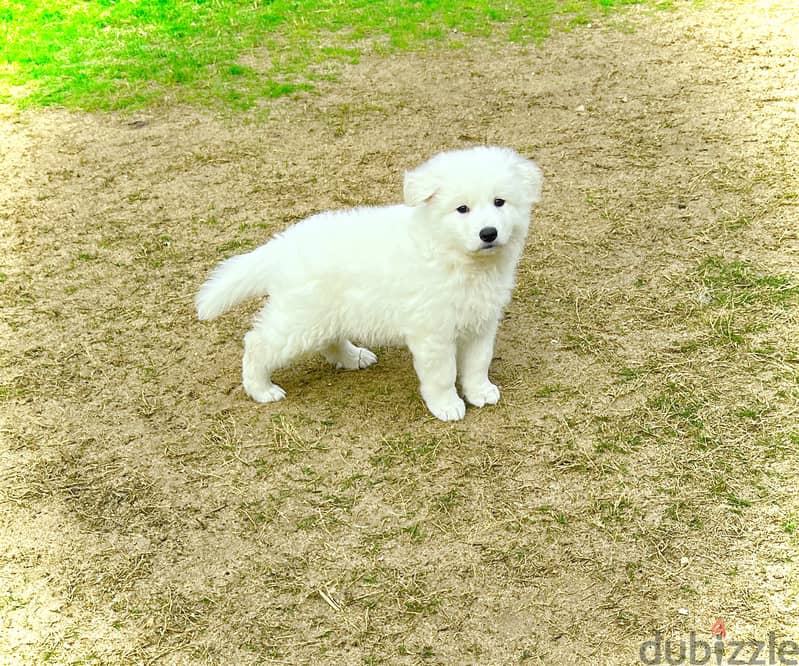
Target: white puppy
[433,274]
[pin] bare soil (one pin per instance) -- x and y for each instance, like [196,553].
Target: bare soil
[639,475]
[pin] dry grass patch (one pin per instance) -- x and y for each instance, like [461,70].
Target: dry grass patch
[642,460]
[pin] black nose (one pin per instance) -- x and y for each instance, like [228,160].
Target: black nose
[488,234]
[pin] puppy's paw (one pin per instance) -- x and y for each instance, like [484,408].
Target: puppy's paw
[451,409]
[364,359]
[271,393]
[350,357]
[484,394]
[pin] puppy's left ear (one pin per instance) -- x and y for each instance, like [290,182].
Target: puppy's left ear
[531,177]
[419,187]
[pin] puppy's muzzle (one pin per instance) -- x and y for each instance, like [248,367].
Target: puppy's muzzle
[488,234]
[489,237]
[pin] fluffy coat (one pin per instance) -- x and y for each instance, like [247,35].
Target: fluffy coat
[434,273]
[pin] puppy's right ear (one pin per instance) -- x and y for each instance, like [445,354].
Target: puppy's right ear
[419,187]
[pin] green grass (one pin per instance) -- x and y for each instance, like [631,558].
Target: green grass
[738,297]
[107,54]
[736,283]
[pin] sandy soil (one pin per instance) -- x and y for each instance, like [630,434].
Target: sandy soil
[638,476]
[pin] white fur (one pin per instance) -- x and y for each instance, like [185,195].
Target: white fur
[416,274]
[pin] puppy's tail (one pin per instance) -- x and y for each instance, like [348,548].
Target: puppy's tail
[233,281]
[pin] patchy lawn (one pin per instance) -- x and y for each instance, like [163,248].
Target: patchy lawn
[638,476]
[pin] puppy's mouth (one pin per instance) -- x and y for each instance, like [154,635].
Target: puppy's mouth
[488,247]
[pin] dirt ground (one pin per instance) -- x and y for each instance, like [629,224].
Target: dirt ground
[638,476]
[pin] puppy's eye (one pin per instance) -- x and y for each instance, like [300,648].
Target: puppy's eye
[499,203]
[463,209]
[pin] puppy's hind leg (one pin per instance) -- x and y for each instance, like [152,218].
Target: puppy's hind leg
[261,356]
[267,347]
[344,354]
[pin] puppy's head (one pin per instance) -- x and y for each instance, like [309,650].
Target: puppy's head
[477,200]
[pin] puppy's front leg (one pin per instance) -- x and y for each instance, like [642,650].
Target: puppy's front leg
[475,352]
[434,362]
